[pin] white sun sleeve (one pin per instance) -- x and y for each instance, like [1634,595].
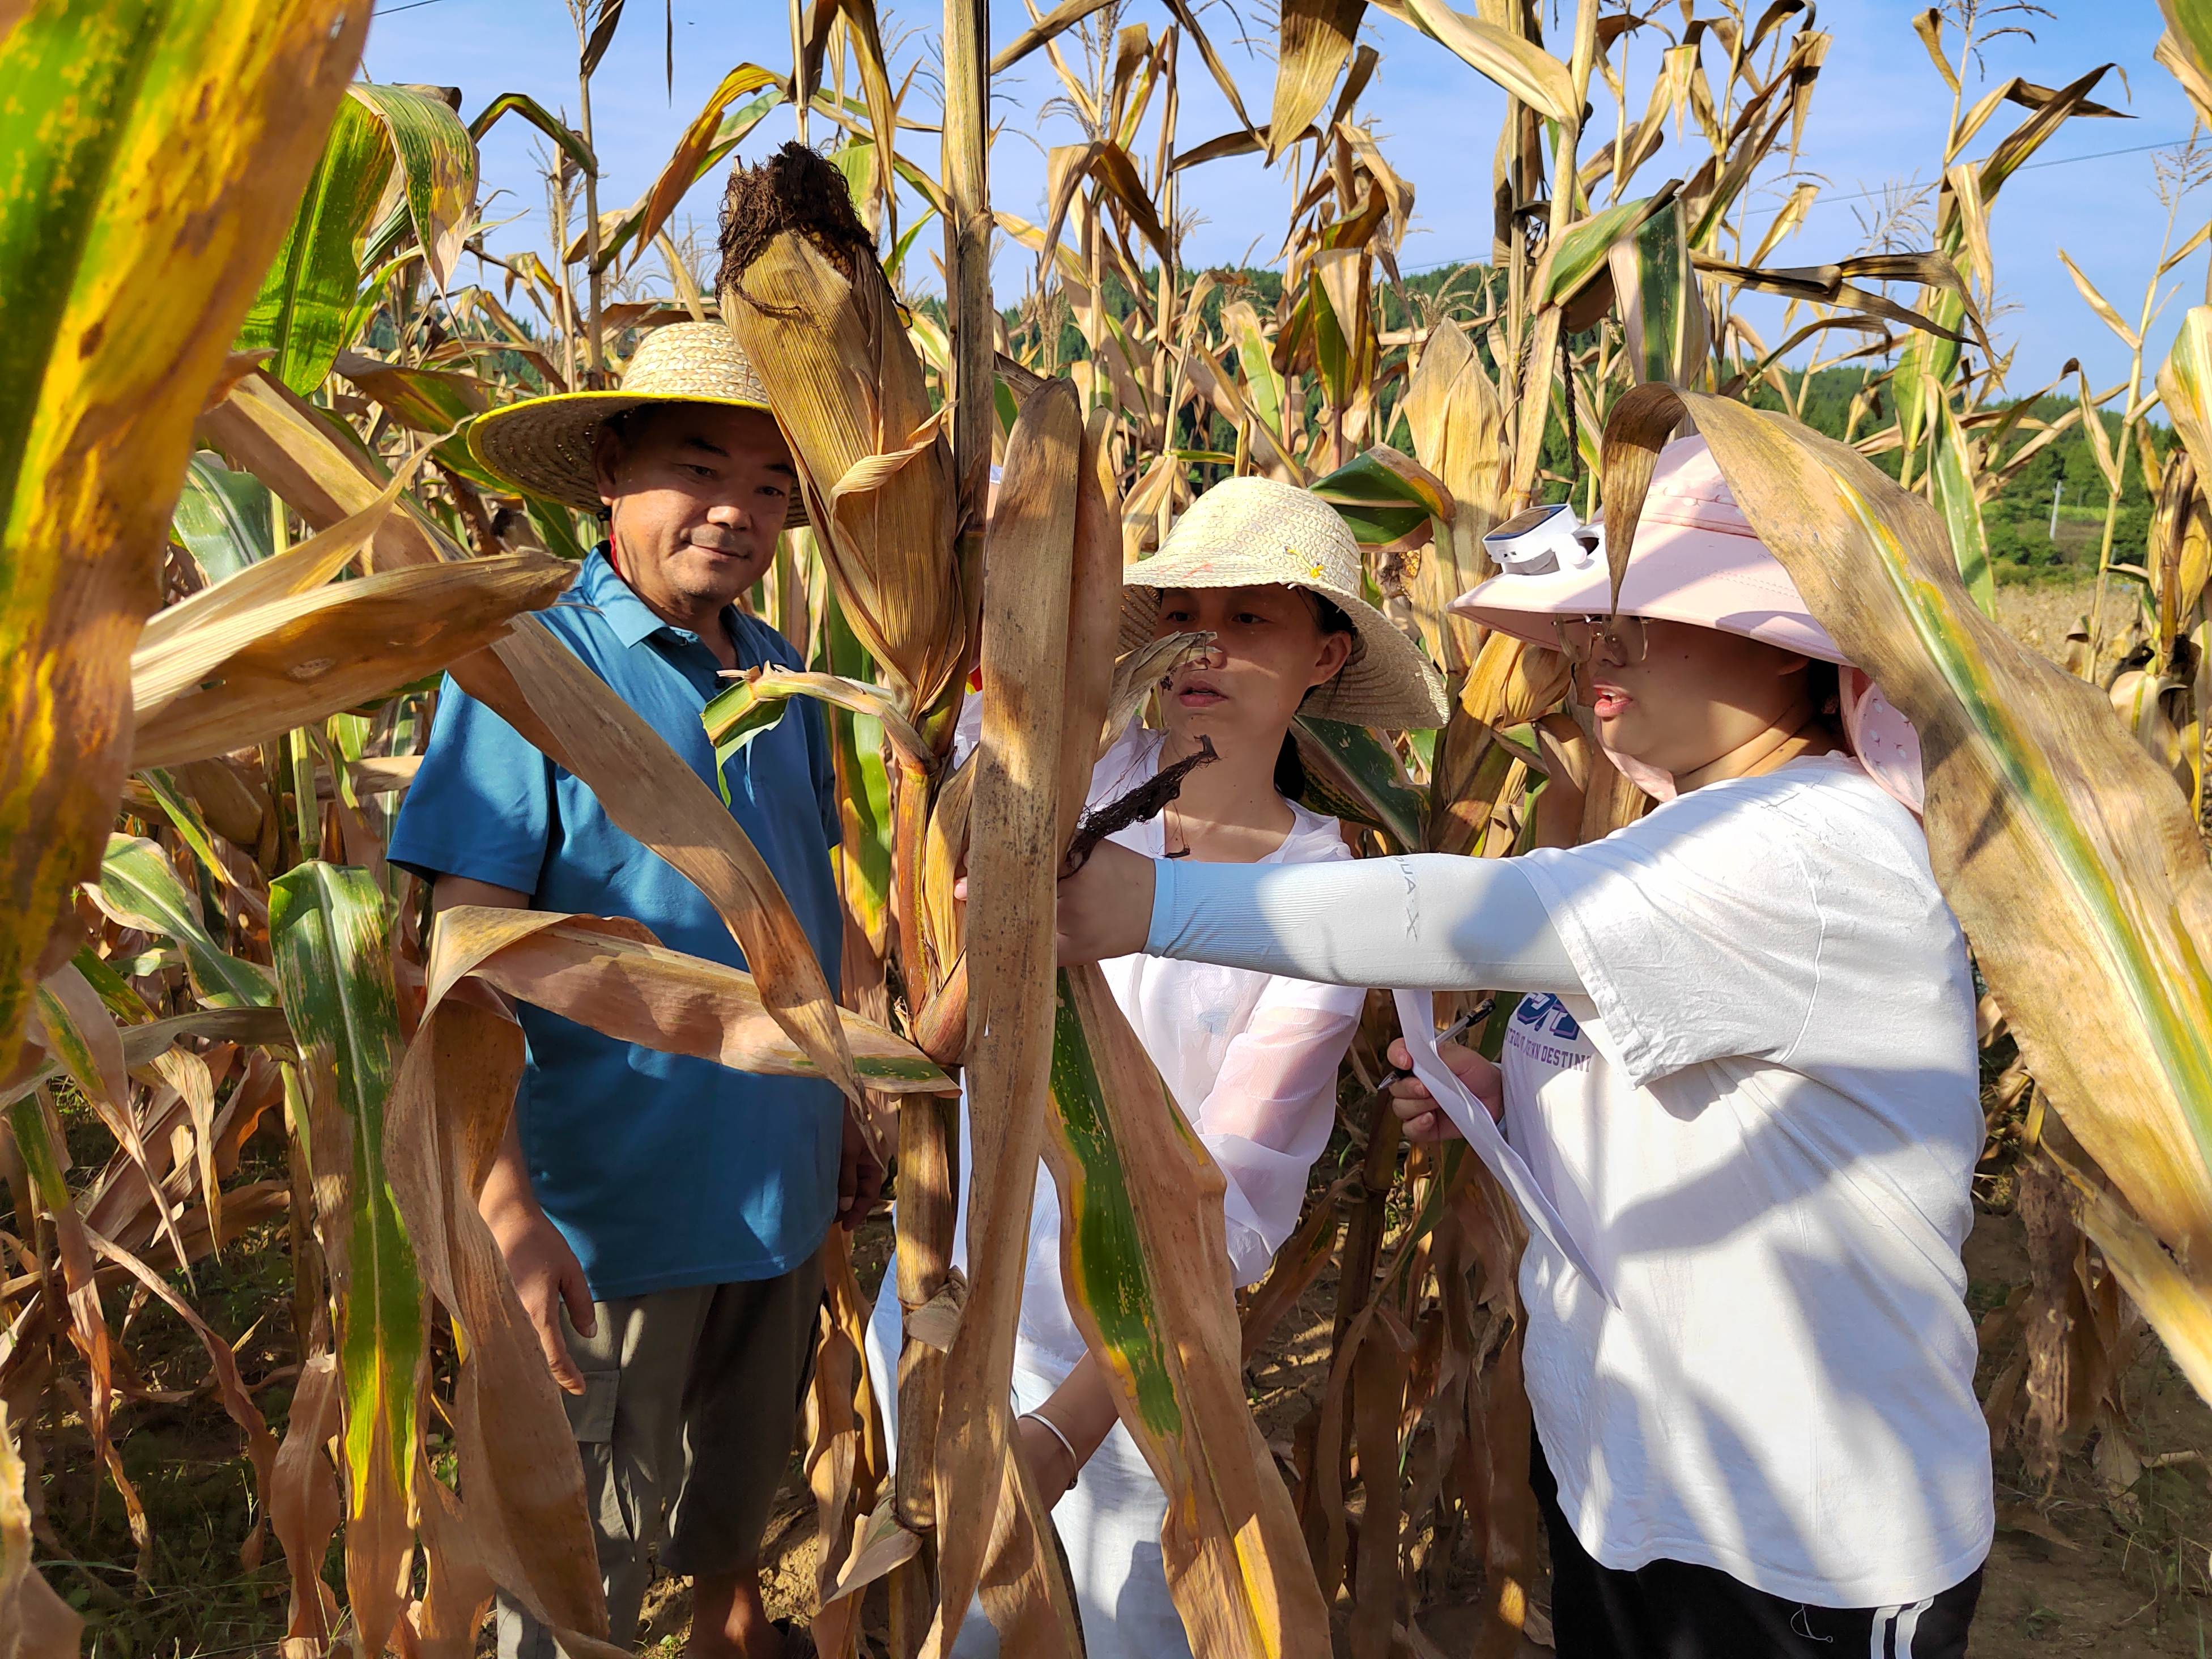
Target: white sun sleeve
[1427,922]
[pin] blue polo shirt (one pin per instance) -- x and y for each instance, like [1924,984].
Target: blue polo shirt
[661,1170]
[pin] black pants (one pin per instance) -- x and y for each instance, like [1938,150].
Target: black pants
[1673,1610]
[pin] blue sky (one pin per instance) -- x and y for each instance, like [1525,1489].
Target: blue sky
[1879,115]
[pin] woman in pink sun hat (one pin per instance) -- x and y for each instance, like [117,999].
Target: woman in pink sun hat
[1744,1083]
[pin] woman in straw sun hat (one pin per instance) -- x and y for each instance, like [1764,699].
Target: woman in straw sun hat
[1744,1082]
[1272,574]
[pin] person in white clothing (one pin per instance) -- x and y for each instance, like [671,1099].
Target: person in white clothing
[1251,1057]
[1744,1080]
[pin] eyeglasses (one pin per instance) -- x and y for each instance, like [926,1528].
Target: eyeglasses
[1580,636]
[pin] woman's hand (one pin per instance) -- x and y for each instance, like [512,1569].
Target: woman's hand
[1416,1108]
[1106,907]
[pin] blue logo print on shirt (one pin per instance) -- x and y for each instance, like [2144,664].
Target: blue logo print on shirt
[1548,1014]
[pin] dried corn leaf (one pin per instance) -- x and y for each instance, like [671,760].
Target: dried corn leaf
[292,660]
[525,1512]
[34,1622]
[610,973]
[1012,859]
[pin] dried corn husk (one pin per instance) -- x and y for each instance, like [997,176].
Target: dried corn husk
[848,391]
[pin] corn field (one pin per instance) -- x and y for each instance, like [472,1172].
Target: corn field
[245,536]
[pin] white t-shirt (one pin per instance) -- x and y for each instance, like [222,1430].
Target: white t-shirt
[1761,1122]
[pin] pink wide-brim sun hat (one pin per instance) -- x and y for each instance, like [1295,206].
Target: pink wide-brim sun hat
[1697,560]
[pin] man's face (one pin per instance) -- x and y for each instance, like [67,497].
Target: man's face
[698,492]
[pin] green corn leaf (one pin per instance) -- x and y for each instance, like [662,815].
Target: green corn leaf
[1383,496]
[864,784]
[1099,1225]
[307,299]
[222,518]
[138,887]
[329,930]
[186,817]
[735,717]
[1352,773]
[1255,367]
[1656,287]
[1578,256]
[437,162]
[1952,477]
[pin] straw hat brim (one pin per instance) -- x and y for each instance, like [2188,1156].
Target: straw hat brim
[1387,684]
[543,446]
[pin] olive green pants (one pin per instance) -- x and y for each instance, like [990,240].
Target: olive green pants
[685,1427]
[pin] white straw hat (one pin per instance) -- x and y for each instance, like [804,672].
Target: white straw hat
[543,445]
[1261,532]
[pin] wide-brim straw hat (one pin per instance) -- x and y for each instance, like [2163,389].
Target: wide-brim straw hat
[543,446]
[1261,532]
[1697,560]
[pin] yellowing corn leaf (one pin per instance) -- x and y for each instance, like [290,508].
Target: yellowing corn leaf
[136,229]
[2184,386]
[1459,434]
[1146,1261]
[1523,67]
[610,974]
[437,162]
[2066,851]
[711,136]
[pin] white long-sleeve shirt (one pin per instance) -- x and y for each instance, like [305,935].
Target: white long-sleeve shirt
[1746,1078]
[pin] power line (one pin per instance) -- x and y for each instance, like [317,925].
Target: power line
[2060,161]
[1865,194]
[411,5]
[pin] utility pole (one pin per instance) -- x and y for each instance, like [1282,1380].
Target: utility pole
[2056,490]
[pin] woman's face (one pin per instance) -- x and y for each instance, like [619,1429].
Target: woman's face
[1697,695]
[1268,652]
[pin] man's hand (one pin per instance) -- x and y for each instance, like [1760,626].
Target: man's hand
[1106,907]
[546,1274]
[860,1177]
[1416,1108]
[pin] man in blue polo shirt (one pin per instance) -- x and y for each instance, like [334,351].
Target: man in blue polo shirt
[659,1214]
